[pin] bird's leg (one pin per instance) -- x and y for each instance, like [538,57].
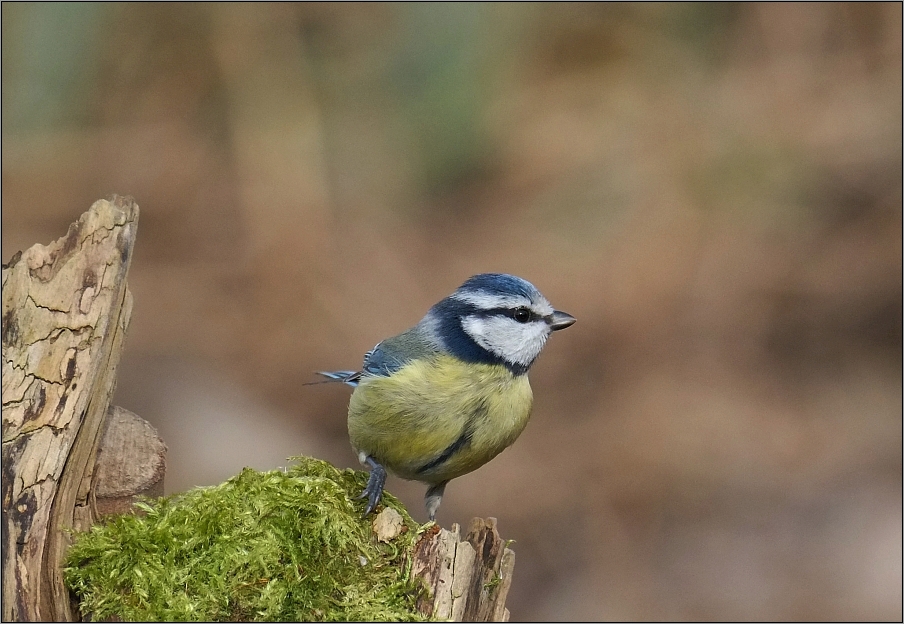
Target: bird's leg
[374,490]
[434,497]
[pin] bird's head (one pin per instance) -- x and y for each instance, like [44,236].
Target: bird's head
[495,318]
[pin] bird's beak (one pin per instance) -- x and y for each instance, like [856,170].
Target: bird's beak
[561,320]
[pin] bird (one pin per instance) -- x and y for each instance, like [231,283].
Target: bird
[446,396]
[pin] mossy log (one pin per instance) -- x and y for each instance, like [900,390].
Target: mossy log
[70,458]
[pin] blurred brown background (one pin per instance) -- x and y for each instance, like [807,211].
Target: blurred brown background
[713,190]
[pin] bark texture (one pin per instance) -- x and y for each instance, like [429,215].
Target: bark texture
[66,307]
[469,579]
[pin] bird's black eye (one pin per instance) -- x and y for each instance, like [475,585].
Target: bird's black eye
[522,315]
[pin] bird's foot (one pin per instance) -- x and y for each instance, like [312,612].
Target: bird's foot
[374,490]
[433,498]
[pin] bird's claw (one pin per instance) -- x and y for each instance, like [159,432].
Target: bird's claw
[374,490]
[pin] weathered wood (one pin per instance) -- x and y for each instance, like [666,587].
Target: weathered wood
[468,580]
[131,462]
[65,311]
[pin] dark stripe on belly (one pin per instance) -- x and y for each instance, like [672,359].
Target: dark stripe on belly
[463,440]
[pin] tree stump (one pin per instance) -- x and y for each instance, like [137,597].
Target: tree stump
[131,463]
[65,311]
[469,579]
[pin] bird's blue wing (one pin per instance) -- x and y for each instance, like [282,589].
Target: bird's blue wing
[377,361]
[388,357]
[383,360]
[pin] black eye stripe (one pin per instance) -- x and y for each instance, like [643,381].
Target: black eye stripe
[509,313]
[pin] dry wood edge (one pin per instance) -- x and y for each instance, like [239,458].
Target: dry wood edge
[66,308]
[468,579]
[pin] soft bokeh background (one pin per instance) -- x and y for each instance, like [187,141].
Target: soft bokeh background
[714,191]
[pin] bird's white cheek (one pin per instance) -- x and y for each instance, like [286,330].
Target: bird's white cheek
[514,342]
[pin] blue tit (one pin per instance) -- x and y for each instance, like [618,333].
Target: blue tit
[446,396]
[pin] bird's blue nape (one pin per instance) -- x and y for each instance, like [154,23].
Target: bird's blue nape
[499,283]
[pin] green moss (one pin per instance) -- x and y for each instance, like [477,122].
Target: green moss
[273,546]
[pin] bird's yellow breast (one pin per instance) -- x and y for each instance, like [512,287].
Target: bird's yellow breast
[436,419]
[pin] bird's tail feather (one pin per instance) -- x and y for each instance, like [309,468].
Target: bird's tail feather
[347,377]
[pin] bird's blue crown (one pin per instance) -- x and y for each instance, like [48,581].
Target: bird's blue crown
[500,284]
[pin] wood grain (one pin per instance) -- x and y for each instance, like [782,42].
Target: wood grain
[468,579]
[65,311]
